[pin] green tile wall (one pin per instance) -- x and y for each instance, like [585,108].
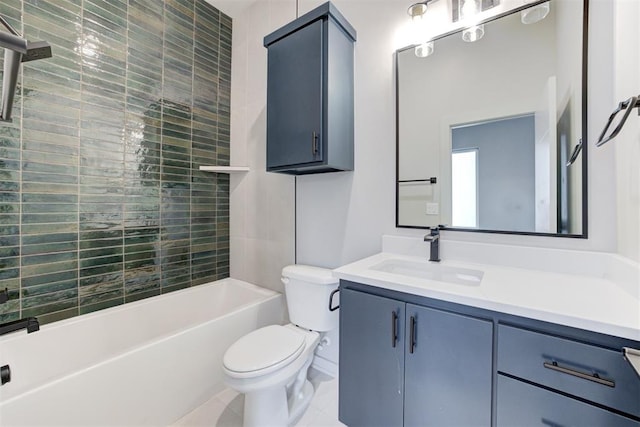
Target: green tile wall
[101,199]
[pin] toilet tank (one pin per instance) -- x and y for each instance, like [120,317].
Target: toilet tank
[308,289]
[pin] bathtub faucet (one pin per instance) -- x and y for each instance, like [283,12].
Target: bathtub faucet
[31,324]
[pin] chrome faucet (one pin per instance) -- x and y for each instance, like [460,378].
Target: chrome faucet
[434,239]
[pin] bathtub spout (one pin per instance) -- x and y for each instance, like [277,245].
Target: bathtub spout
[31,324]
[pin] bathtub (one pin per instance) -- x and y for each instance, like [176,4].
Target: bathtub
[146,363]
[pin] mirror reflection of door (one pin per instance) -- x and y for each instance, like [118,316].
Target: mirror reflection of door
[505,172]
[464,188]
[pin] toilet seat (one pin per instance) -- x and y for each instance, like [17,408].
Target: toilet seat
[263,351]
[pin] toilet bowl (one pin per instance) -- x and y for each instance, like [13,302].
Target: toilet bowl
[270,364]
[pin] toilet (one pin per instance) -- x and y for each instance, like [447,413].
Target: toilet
[270,364]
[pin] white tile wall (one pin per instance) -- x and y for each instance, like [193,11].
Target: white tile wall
[262,212]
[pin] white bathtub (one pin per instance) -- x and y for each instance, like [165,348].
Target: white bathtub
[140,364]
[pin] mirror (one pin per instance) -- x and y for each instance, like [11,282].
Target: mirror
[486,129]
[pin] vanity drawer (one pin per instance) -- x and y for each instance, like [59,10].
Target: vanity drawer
[594,373]
[522,404]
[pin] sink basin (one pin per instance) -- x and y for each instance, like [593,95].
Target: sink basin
[429,271]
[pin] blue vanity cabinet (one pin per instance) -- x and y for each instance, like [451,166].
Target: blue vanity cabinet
[371,360]
[310,118]
[550,379]
[403,364]
[448,369]
[524,404]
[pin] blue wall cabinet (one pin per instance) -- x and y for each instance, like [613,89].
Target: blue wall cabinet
[403,364]
[310,115]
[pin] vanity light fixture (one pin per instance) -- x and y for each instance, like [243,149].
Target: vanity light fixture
[423,49]
[473,34]
[466,11]
[460,9]
[469,8]
[535,14]
[416,11]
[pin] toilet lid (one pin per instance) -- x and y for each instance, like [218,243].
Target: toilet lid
[264,348]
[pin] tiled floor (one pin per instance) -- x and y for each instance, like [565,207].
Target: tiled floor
[225,408]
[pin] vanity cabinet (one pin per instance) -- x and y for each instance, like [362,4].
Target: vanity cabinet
[406,364]
[531,363]
[408,360]
[523,404]
[310,118]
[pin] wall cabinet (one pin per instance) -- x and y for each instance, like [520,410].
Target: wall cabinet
[404,364]
[407,360]
[310,115]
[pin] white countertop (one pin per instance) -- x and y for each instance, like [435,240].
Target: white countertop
[590,302]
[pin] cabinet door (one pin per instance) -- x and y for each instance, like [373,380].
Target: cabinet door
[448,369]
[371,361]
[522,404]
[294,97]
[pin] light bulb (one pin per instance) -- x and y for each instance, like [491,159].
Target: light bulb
[473,34]
[535,14]
[469,8]
[423,49]
[418,28]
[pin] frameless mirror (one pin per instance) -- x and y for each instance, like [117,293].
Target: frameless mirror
[487,130]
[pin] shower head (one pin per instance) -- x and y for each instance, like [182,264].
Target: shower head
[16,51]
[37,50]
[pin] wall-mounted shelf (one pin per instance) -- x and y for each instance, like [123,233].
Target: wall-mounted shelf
[225,169]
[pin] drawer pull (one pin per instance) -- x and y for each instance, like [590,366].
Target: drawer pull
[394,328]
[595,378]
[314,144]
[412,334]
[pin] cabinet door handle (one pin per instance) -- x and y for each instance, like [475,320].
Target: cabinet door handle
[314,143]
[595,377]
[394,328]
[412,334]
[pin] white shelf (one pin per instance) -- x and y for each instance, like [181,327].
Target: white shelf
[225,169]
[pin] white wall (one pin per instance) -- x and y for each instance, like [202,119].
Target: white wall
[627,144]
[341,216]
[262,204]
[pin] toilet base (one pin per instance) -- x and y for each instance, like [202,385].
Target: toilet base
[271,408]
[279,398]
[299,404]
